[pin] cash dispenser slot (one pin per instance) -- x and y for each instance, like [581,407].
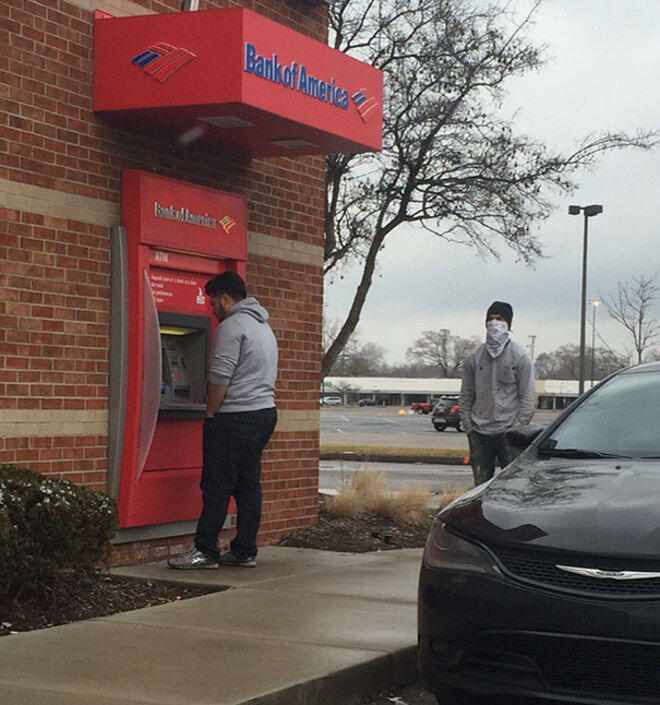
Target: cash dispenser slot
[185,345]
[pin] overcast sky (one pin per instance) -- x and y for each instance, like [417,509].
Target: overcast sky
[602,74]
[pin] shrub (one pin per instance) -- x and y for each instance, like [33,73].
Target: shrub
[369,493]
[49,527]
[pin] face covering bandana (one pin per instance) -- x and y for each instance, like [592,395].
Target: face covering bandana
[497,335]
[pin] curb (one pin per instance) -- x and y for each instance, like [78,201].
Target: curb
[384,458]
[351,684]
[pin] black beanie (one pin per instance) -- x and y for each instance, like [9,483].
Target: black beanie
[503,309]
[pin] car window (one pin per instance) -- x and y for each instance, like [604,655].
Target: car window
[448,402]
[622,417]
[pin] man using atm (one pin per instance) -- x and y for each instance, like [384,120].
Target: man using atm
[240,419]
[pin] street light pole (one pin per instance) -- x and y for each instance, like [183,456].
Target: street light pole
[588,212]
[532,342]
[583,307]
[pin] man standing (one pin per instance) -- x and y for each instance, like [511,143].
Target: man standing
[497,393]
[240,418]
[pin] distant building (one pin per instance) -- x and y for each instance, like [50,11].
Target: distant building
[402,391]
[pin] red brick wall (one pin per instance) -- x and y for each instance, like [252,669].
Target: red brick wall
[54,272]
[79,459]
[54,322]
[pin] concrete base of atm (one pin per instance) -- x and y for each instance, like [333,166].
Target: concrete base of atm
[161,531]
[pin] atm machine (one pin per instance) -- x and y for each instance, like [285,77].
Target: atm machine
[175,237]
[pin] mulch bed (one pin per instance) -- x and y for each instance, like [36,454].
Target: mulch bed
[78,597]
[360,534]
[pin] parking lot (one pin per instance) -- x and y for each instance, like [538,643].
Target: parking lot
[384,426]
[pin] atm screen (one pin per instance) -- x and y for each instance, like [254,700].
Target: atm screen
[183,353]
[176,378]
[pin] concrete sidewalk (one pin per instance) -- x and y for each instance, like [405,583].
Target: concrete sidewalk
[305,627]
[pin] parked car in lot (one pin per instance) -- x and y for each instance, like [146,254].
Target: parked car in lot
[445,413]
[422,407]
[331,400]
[367,402]
[545,580]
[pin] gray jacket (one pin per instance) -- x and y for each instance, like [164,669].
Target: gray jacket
[244,358]
[497,394]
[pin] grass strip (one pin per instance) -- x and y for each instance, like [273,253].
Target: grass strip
[394,450]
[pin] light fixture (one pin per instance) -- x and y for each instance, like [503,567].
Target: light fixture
[226,121]
[294,143]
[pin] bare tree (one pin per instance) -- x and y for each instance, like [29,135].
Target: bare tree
[356,359]
[564,362]
[451,162]
[431,350]
[631,308]
[441,351]
[331,327]
[344,389]
[462,348]
[653,355]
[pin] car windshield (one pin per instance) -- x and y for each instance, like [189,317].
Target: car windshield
[621,418]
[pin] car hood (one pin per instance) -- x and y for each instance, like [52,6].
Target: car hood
[605,507]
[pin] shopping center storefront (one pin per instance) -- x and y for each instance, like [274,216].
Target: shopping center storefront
[145,150]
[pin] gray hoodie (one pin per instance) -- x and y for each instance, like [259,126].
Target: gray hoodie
[497,394]
[244,358]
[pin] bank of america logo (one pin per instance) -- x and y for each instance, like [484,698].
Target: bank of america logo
[364,103]
[161,60]
[227,223]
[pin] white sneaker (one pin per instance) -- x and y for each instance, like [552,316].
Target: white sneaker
[194,560]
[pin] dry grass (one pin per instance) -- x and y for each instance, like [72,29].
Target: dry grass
[409,504]
[393,450]
[368,492]
[447,496]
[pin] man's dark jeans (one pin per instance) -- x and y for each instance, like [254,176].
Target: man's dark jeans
[233,444]
[484,451]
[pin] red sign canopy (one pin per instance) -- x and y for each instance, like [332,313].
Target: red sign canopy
[235,78]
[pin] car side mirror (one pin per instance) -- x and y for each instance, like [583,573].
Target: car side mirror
[521,437]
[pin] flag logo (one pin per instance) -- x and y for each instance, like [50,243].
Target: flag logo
[364,103]
[227,223]
[161,60]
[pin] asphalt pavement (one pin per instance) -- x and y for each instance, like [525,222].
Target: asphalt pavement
[385,426]
[334,473]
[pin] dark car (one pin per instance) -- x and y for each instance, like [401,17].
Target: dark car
[367,402]
[545,581]
[445,413]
